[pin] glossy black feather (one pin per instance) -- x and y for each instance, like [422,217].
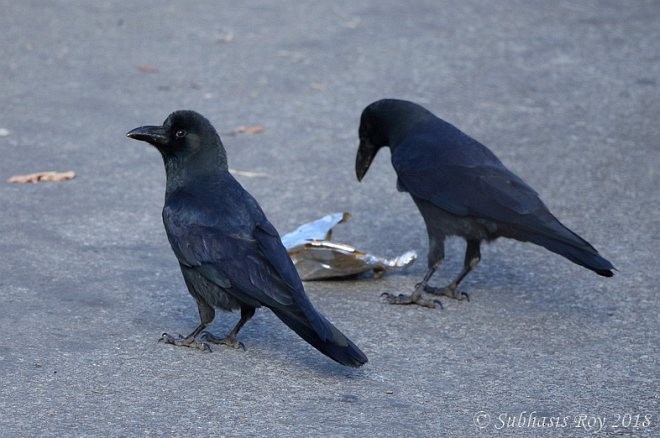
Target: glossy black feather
[229,252]
[437,163]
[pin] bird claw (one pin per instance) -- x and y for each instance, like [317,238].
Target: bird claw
[180,341]
[228,341]
[169,339]
[411,299]
[448,292]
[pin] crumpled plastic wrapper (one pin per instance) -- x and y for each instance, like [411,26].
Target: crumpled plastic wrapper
[317,258]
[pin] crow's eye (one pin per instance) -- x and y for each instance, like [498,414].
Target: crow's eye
[180,133]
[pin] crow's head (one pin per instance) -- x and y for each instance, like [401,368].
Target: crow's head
[183,133]
[373,136]
[386,122]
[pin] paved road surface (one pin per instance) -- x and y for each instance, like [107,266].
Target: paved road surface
[566,93]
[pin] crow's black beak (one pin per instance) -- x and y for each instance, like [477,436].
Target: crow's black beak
[155,135]
[365,155]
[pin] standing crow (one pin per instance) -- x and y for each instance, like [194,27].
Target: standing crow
[230,255]
[461,188]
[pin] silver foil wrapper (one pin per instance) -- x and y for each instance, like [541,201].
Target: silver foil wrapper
[317,258]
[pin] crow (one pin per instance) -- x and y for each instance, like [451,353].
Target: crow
[461,189]
[230,255]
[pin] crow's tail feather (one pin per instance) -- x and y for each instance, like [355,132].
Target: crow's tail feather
[332,343]
[581,252]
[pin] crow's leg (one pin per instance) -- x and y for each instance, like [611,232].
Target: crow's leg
[247,312]
[416,296]
[435,257]
[206,315]
[472,258]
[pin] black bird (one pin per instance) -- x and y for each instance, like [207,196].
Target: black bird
[230,255]
[461,188]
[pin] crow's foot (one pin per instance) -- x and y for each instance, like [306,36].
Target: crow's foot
[448,292]
[229,341]
[180,341]
[411,299]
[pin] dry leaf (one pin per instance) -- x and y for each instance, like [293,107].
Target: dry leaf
[247,173]
[317,86]
[352,23]
[42,176]
[224,37]
[254,129]
[293,56]
[146,68]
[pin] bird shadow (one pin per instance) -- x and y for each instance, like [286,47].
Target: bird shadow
[272,340]
[265,339]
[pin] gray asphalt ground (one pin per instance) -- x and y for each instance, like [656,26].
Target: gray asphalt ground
[566,93]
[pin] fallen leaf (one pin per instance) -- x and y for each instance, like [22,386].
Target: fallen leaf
[254,129]
[224,37]
[293,56]
[352,23]
[42,176]
[146,68]
[317,86]
[247,173]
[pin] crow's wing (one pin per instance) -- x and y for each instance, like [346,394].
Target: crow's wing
[278,260]
[460,175]
[253,266]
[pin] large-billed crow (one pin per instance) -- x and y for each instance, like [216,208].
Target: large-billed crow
[461,188]
[230,255]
